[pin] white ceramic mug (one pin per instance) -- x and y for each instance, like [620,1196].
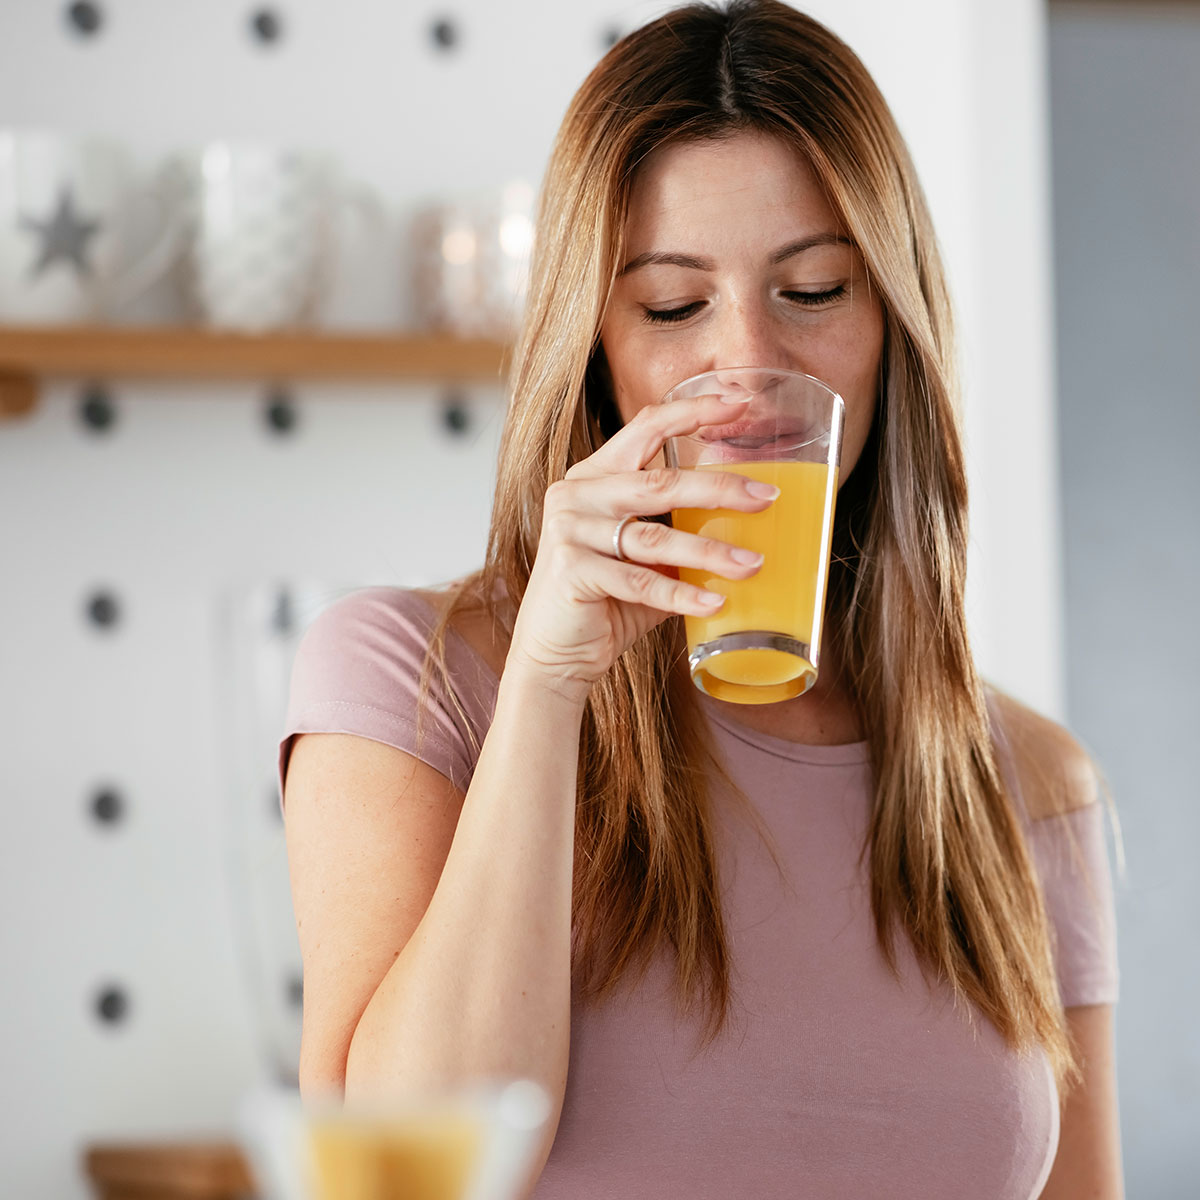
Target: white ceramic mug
[69,214]
[265,230]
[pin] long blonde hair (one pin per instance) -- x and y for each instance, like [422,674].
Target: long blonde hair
[948,862]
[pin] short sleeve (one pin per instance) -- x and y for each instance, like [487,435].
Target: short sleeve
[1071,855]
[357,669]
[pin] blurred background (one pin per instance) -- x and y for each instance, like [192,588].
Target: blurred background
[258,265]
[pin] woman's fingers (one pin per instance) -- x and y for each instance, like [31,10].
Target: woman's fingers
[637,584]
[636,443]
[654,543]
[662,489]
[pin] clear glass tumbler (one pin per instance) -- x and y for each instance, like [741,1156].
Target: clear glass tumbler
[763,644]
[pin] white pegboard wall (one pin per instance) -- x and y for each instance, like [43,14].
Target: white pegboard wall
[164,980]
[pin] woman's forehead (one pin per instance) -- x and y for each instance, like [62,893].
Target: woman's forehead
[748,184]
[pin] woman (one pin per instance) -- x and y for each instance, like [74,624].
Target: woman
[516,830]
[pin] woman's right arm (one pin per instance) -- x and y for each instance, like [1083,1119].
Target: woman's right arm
[482,987]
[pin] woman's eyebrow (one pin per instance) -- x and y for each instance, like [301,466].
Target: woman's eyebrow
[664,258]
[807,243]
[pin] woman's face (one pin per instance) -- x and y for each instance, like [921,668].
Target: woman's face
[734,259]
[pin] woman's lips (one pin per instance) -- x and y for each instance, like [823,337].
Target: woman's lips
[760,428]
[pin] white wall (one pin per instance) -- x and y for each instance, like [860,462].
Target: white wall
[195,513]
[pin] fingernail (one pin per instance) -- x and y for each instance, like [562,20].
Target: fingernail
[745,556]
[765,491]
[733,398]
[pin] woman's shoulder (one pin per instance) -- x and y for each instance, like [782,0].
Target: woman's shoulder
[388,625]
[1056,774]
[371,619]
[472,621]
[360,668]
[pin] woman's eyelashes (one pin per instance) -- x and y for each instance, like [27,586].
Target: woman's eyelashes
[668,316]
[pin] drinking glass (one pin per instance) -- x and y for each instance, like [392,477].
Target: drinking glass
[472,1142]
[763,644]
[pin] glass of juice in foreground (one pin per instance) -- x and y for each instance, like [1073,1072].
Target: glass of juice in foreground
[473,1144]
[428,1157]
[763,644]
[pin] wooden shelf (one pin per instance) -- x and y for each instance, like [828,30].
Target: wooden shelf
[29,353]
[169,1171]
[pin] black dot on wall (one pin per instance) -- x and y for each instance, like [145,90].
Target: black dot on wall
[96,409]
[610,37]
[112,1005]
[283,613]
[266,25]
[456,414]
[444,33]
[84,17]
[295,991]
[107,807]
[103,610]
[280,414]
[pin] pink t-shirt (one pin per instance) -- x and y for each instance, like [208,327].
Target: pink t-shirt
[832,1080]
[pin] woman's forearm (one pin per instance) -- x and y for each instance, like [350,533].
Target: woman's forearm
[482,989]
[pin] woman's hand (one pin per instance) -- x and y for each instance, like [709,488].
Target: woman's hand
[583,607]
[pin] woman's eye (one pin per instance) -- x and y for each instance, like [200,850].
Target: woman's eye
[815,299]
[666,316]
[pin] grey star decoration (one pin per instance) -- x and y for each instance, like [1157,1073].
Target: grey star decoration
[63,235]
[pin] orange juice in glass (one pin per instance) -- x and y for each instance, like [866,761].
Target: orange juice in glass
[763,644]
[470,1143]
[430,1156]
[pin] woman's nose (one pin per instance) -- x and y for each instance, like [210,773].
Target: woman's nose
[745,336]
